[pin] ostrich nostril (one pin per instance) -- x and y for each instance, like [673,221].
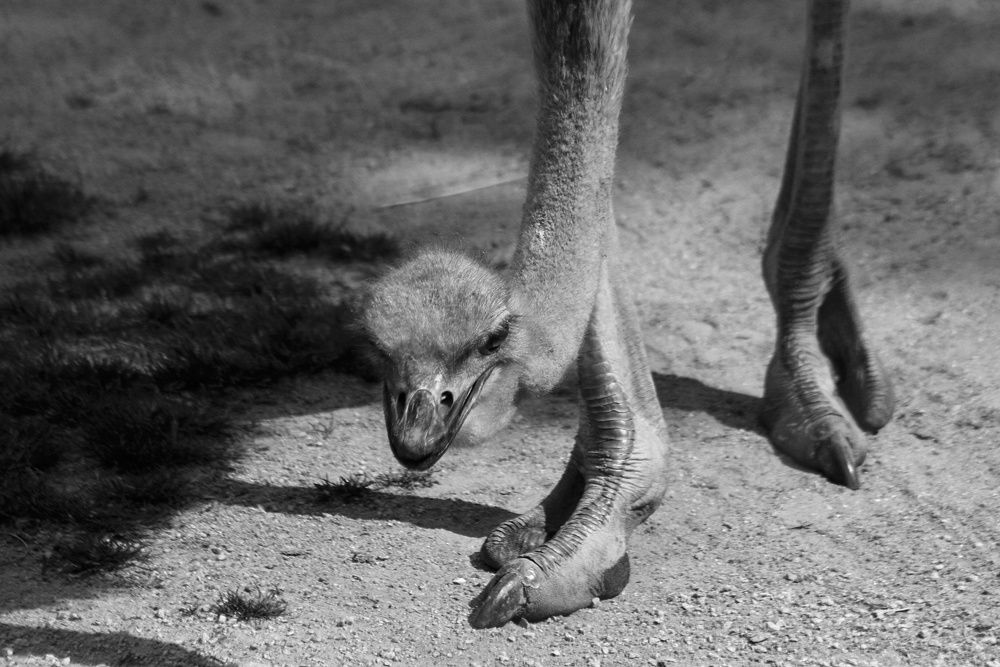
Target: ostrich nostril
[401,403]
[447,399]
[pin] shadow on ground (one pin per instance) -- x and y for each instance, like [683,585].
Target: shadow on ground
[93,648]
[457,516]
[122,377]
[730,408]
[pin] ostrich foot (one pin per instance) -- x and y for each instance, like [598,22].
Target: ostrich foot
[527,532]
[820,394]
[551,563]
[559,577]
[571,548]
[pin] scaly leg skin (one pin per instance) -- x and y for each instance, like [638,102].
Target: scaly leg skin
[530,530]
[824,386]
[824,383]
[571,548]
[862,382]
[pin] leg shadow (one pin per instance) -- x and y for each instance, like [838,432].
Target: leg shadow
[736,410]
[733,409]
[458,516]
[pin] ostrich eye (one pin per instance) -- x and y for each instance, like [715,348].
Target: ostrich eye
[495,340]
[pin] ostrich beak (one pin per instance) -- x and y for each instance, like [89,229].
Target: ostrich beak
[421,427]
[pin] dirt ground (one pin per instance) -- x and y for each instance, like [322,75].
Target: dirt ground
[416,119]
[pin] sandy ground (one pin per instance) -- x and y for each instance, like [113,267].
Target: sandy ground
[416,119]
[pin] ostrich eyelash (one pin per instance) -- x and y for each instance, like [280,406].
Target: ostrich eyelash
[494,339]
[498,333]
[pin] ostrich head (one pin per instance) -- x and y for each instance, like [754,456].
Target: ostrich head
[448,340]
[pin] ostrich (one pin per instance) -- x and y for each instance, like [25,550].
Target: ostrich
[461,344]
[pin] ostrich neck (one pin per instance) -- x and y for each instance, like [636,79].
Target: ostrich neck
[580,56]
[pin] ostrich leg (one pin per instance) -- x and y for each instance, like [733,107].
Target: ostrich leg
[824,383]
[572,547]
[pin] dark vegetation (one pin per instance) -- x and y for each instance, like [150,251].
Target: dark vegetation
[89,553]
[281,230]
[33,200]
[251,605]
[115,371]
[355,487]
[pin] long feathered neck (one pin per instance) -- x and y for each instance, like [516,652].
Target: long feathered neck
[580,51]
